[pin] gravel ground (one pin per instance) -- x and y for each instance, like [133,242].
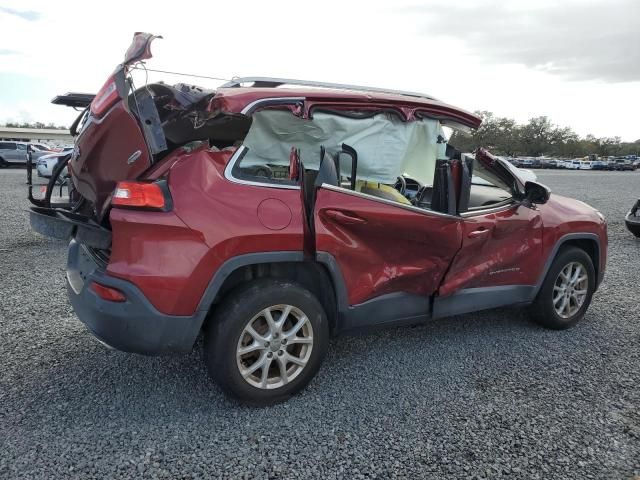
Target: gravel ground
[486,395]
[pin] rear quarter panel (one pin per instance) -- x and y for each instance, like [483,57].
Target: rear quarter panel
[173,256]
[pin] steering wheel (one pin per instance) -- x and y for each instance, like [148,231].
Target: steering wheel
[401,185]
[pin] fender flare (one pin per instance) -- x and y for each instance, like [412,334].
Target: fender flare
[234,263]
[554,252]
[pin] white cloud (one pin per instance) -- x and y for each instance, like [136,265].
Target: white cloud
[73,46]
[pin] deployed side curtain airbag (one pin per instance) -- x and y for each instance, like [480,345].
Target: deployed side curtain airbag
[387,147]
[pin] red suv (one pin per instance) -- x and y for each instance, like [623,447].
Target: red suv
[270,218]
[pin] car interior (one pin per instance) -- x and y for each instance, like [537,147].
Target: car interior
[379,155]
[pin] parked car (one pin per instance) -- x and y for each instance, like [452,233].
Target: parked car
[525,162]
[15,153]
[586,165]
[632,219]
[622,164]
[12,153]
[599,165]
[573,164]
[46,163]
[174,234]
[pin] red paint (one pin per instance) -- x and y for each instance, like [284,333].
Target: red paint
[392,249]
[104,147]
[235,100]
[274,214]
[501,248]
[172,256]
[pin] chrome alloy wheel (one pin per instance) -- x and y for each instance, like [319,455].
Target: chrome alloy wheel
[570,289]
[274,346]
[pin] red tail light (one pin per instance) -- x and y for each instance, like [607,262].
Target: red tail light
[141,195]
[107,293]
[106,98]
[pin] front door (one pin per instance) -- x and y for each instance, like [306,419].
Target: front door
[501,247]
[500,259]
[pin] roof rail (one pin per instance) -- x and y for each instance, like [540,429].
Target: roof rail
[268,82]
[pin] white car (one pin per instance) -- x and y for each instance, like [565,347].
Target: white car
[47,163]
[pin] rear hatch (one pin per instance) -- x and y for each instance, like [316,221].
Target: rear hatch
[112,144]
[125,130]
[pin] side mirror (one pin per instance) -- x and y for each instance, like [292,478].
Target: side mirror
[536,193]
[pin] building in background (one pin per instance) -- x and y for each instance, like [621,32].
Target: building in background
[49,136]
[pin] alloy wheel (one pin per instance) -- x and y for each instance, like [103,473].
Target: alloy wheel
[274,347]
[570,289]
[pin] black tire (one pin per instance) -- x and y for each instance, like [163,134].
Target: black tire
[543,310]
[227,325]
[3,163]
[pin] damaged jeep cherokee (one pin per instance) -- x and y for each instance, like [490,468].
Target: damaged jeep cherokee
[269,214]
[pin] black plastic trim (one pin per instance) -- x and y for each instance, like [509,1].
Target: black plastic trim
[483,298]
[234,263]
[393,309]
[63,224]
[561,241]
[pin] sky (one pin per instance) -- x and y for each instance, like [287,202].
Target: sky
[575,61]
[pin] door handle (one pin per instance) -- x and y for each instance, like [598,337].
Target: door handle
[344,217]
[479,232]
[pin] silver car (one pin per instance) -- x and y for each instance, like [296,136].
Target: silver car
[15,153]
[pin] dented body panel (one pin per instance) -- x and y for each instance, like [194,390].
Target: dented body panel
[383,249]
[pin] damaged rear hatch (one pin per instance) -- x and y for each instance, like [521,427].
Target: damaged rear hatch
[127,129]
[123,132]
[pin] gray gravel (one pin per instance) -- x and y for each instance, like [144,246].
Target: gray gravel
[486,395]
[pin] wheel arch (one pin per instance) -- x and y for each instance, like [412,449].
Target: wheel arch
[588,242]
[289,265]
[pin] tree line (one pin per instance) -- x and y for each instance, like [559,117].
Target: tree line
[503,136]
[50,125]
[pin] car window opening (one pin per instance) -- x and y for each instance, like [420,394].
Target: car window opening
[396,159]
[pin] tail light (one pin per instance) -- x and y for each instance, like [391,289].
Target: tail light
[106,98]
[142,195]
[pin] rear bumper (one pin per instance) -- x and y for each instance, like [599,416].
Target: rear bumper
[63,224]
[131,326]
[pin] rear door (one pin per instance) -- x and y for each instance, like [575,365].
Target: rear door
[391,256]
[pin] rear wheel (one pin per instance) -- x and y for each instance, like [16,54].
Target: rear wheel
[3,163]
[566,292]
[266,341]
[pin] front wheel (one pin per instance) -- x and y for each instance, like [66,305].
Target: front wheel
[566,292]
[266,341]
